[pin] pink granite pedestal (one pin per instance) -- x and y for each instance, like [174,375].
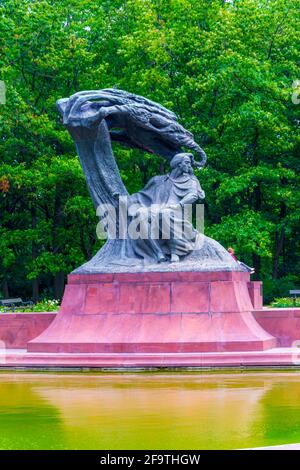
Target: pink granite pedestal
[178,312]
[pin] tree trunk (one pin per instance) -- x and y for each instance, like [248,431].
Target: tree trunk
[59,285]
[5,289]
[34,254]
[256,265]
[35,290]
[257,202]
[279,243]
[257,205]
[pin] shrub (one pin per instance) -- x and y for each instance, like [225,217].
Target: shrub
[46,305]
[286,302]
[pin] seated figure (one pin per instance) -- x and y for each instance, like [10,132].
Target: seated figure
[158,210]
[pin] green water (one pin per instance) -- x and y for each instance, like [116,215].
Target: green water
[148,411]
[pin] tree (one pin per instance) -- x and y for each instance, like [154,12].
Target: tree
[226,68]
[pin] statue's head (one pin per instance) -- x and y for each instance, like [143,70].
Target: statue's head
[183,162]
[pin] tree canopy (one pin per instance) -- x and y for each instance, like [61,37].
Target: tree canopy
[226,69]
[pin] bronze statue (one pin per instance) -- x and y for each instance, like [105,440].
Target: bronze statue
[159,208]
[94,119]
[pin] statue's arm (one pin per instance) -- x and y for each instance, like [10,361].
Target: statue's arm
[189,198]
[194,194]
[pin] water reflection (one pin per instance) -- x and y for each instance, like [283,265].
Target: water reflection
[148,411]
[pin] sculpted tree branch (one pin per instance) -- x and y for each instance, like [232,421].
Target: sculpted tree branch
[94,119]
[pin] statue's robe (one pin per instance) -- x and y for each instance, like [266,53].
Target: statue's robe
[160,204]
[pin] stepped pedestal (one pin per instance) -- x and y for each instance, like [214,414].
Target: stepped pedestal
[155,312]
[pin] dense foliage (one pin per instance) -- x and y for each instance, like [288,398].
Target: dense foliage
[227,70]
[286,302]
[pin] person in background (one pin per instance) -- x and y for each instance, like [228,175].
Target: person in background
[231,252]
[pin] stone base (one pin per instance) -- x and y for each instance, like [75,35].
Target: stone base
[161,312]
[276,357]
[16,329]
[284,323]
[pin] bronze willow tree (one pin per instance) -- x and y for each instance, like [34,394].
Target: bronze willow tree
[94,119]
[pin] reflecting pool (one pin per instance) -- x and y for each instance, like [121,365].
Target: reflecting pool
[148,411]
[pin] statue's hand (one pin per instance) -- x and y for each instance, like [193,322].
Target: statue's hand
[142,211]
